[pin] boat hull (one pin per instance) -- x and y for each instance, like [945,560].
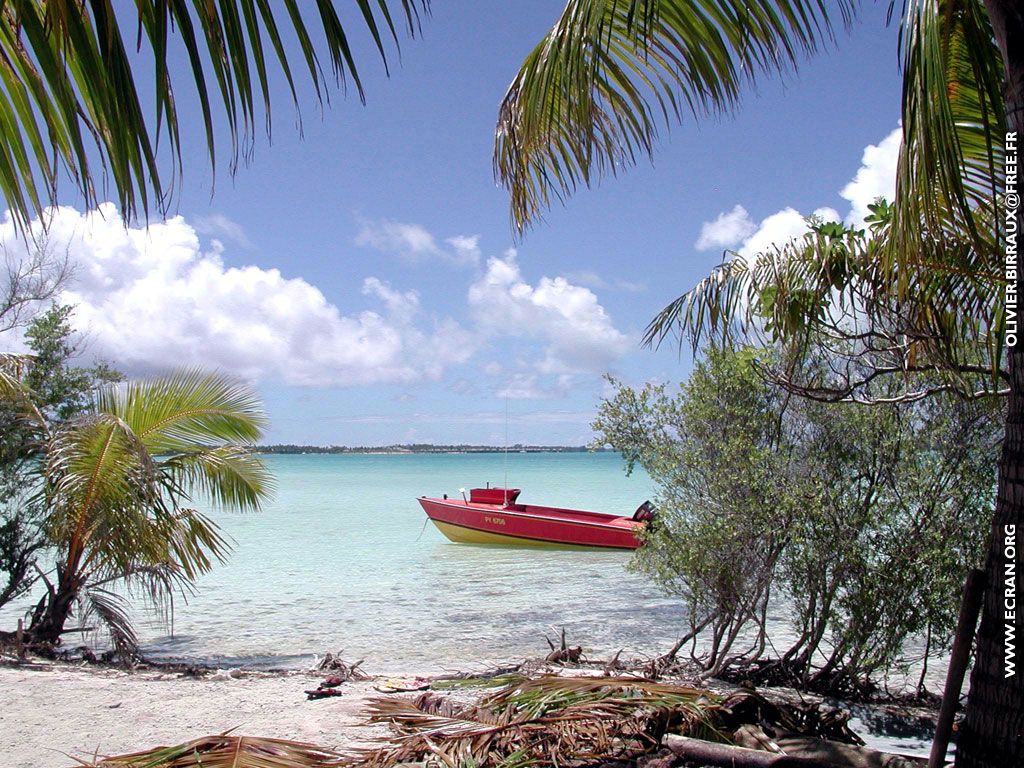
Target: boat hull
[529,525]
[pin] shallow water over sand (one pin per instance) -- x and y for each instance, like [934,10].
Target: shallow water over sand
[342,558]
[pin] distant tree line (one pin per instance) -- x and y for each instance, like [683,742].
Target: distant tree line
[424,448]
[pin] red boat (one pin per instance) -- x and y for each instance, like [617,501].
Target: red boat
[493,516]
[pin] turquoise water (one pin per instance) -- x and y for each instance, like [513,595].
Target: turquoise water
[342,559]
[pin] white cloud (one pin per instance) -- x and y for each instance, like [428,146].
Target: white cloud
[394,237]
[591,279]
[466,249]
[779,228]
[727,230]
[153,299]
[875,178]
[528,386]
[219,224]
[577,332]
[414,243]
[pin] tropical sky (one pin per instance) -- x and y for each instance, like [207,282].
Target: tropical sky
[365,276]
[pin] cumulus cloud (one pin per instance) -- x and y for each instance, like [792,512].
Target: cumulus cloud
[578,334]
[414,243]
[219,225]
[875,178]
[152,298]
[779,228]
[727,230]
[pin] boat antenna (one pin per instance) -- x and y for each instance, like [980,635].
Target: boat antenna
[505,460]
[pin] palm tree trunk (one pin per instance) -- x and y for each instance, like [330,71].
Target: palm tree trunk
[50,626]
[993,732]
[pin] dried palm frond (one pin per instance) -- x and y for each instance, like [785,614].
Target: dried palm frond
[546,721]
[226,751]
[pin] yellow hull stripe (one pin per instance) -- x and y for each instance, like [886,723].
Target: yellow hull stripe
[461,535]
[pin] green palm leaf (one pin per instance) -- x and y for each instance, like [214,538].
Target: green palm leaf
[70,103]
[951,161]
[183,410]
[588,99]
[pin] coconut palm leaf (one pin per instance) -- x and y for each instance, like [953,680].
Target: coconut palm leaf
[831,294]
[70,103]
[951,161]
[587,101]
[111,610]
[178,411]
[226,751]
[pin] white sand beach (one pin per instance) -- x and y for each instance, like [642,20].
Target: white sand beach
[51,713]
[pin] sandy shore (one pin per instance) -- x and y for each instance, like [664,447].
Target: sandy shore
[51,711]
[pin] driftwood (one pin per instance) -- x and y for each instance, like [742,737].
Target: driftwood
[800,752]
[333,662]
[960,657]
[563,654]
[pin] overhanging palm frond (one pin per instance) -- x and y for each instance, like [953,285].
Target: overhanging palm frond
[830,295]
[227,752]
[951,161]
[230,476]
[589,98]
[69,99]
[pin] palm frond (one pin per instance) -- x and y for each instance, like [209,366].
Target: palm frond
[230,476]
[227,751]
[181,411]
[69,94]
[112,611]
[951,160]
[587,101]
[830,293]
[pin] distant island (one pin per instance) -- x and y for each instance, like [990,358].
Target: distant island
[426,448]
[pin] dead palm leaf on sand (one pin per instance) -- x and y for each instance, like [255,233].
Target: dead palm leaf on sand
[227,751]
[548,721]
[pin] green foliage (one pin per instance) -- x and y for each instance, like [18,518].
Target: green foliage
[55,390]
[863,520]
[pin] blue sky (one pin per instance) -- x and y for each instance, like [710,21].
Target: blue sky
[365,276]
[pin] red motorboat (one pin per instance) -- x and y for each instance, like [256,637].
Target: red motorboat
[494,516]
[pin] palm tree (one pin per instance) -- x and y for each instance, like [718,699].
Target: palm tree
[590,98]
[71,105]
[120,486]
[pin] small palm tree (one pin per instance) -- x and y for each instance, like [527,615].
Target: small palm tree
[121,485]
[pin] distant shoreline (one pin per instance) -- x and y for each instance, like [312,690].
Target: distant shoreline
[424,448]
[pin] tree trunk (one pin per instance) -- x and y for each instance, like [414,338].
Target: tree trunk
[50,626]
[993,732]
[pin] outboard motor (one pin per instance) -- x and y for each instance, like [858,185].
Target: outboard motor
[645,512]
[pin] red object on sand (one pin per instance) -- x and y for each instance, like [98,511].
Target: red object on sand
[493,516]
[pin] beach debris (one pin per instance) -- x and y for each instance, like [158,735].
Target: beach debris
[335,662]
[547,721]
[563,654]
[399,685]
[237,751]
[322,693]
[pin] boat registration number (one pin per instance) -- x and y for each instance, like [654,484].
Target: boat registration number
[494,520]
